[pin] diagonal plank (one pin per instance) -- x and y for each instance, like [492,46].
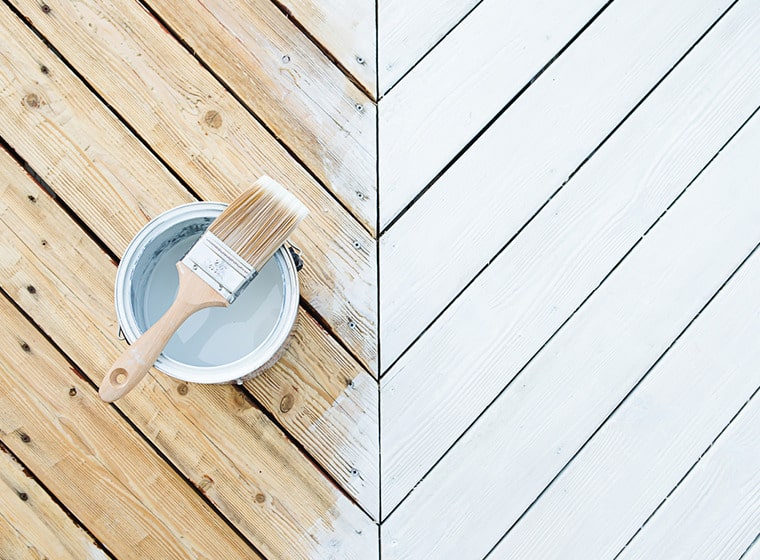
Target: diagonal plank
[406,30]
[102,171]
[345,29]
[529,152]
[215,145]
[714,513]
[461,85]
[31,521]
[565,393]
[223,443]
[92,460]
[542,277]
[655,437]
[301,96]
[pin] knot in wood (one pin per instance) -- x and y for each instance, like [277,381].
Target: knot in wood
[32,100]
[260,498]
[287,402]
[182,389]
[213,119]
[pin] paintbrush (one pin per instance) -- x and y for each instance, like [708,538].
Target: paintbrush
[214,272]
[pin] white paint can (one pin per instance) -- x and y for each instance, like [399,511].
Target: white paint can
[215,345]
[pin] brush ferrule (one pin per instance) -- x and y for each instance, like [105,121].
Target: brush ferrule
[219,266]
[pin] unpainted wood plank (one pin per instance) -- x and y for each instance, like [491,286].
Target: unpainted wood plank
[32,525]
[503,179]
[92,460]
[292,86]
[407,29]
[715,512]
[546,273]
[214,144]
[221,441]
[460,86]
[101,170]
[657,435]
[526,437]
[345,29]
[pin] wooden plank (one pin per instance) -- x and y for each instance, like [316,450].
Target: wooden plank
[753,552]
[101,170]
[219,440]
[479,203]
[714,513]
[452,94]
[294,88]
[91,459]
[536,284]
[32,525]
[407,30]
[345,29]
[656,436]
[503,463]
[177,107]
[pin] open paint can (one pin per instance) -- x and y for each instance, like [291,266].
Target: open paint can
[214,345]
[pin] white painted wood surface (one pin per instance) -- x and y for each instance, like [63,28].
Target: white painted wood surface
[455,90]
[505,177]
[502,464]
[464,360]
[345,29]
[753,552]
[649,444]
[714,514]
[407,29]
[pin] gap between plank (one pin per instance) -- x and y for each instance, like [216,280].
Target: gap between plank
[488,125]
[565,182]
[653,366]
[28,472]
[749,548]
[569,318]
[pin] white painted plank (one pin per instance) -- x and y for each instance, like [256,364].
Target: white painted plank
[500,182]
[753,552]
[643,451]
[455,90]
[464,360]
[345,29]
[715,513]
[407,29]
[501,465]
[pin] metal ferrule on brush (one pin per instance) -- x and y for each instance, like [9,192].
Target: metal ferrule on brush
[219,266]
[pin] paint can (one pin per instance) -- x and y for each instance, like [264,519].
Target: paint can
[215,345]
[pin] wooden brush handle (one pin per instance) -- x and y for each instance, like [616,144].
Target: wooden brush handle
[127,371]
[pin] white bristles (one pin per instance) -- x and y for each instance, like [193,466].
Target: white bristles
[259,221]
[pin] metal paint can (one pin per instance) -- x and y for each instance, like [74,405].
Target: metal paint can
[216,345]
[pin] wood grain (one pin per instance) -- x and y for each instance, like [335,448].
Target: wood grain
[222,442]
[115,185]
[536,284]
[565,393]
[714,513]
[213,143]
[32,525]
[345,29]
[650,443]
[295,89]
[92,460]
[406,30]
[484,199]
[452,94]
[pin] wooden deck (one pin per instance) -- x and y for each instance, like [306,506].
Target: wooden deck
[530,313]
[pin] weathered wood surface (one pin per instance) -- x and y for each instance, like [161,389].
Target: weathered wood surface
[116,185]
[714,513]
[94,462]
[345,29]
[215,145]
[220,441]
[32,525]
[484,199]
[459,87]
[535,285]
[408,29]
[565,393]
[295,89]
